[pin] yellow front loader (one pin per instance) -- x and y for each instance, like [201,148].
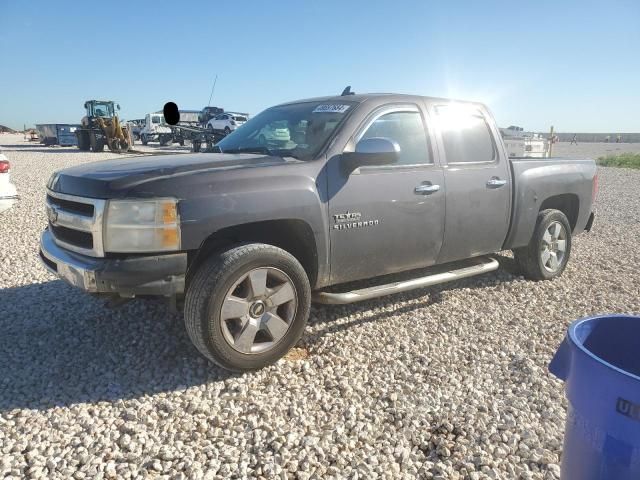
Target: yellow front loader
[101,126]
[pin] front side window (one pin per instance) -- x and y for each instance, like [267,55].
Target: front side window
[466,135]
[408,130]
[298,130]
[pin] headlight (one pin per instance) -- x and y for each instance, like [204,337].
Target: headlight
[142,226]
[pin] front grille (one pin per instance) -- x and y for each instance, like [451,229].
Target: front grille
[73,237]
[84,209]
[76,222]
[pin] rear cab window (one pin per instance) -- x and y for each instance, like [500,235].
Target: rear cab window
[466,135]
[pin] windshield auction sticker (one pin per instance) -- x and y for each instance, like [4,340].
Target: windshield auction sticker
[331,109]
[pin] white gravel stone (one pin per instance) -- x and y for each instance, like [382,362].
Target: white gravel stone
[447,382]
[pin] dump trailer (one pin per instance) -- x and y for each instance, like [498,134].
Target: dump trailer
[102,126]
[63,134]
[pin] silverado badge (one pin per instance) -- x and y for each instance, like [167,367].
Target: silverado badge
[349,220]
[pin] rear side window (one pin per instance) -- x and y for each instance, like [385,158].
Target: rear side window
[466,135]
[408,130]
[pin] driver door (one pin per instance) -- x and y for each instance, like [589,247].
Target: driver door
[382,218]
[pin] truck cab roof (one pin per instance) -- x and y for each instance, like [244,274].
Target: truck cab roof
[386,97]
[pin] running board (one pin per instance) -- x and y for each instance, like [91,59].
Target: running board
[483,265]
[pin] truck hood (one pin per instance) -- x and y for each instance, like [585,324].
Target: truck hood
[109,178]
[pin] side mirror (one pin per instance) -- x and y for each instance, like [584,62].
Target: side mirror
[118,106]
[371,151]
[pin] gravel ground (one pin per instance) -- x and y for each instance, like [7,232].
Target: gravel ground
[446,383]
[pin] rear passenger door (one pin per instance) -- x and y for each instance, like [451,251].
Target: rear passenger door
[388,218]
[478,193]
[218,121]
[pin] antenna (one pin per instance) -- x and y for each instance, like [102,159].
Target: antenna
[212,89]
[347,91]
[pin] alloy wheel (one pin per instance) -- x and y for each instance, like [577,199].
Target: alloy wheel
[258,310]
[554,246]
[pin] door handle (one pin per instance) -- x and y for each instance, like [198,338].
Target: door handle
[495,182]
[426,189]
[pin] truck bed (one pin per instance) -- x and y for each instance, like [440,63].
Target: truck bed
[561,181]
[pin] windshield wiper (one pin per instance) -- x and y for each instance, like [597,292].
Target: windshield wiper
[256,149]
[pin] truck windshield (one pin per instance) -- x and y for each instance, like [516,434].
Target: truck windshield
[102,109]
[297,130]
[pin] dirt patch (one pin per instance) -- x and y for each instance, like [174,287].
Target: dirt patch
[297,353]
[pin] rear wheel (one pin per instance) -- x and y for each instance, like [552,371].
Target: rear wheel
[548,252]
[247,306]
[115,145]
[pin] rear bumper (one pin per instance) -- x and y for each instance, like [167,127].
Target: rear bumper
[138,275]
[8,196]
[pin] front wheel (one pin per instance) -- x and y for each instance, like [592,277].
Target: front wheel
[144,139]
[84,143]
[548,252]
[96,142]
[246,307]
[227,131]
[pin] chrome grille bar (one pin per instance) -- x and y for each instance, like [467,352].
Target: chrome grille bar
[59,216]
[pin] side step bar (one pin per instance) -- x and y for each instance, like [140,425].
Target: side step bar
[482,265]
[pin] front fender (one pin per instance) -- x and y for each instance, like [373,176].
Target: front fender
[236,202]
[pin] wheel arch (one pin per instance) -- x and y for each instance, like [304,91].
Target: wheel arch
[567,203]
[292,235]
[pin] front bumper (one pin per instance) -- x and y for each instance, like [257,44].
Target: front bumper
[130,276]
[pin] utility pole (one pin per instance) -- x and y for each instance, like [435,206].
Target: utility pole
[550,141]
[212,89]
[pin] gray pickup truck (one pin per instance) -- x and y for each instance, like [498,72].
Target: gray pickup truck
[308,195]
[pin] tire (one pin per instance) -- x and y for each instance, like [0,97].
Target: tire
[551,240]
[227,131]
[83,140]
[165,140]
[144,139]
[97,144]
[255,339]
[115,145]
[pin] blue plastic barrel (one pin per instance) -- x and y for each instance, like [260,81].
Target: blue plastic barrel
[599,361]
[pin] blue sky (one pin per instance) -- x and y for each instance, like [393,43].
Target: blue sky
[571,64]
